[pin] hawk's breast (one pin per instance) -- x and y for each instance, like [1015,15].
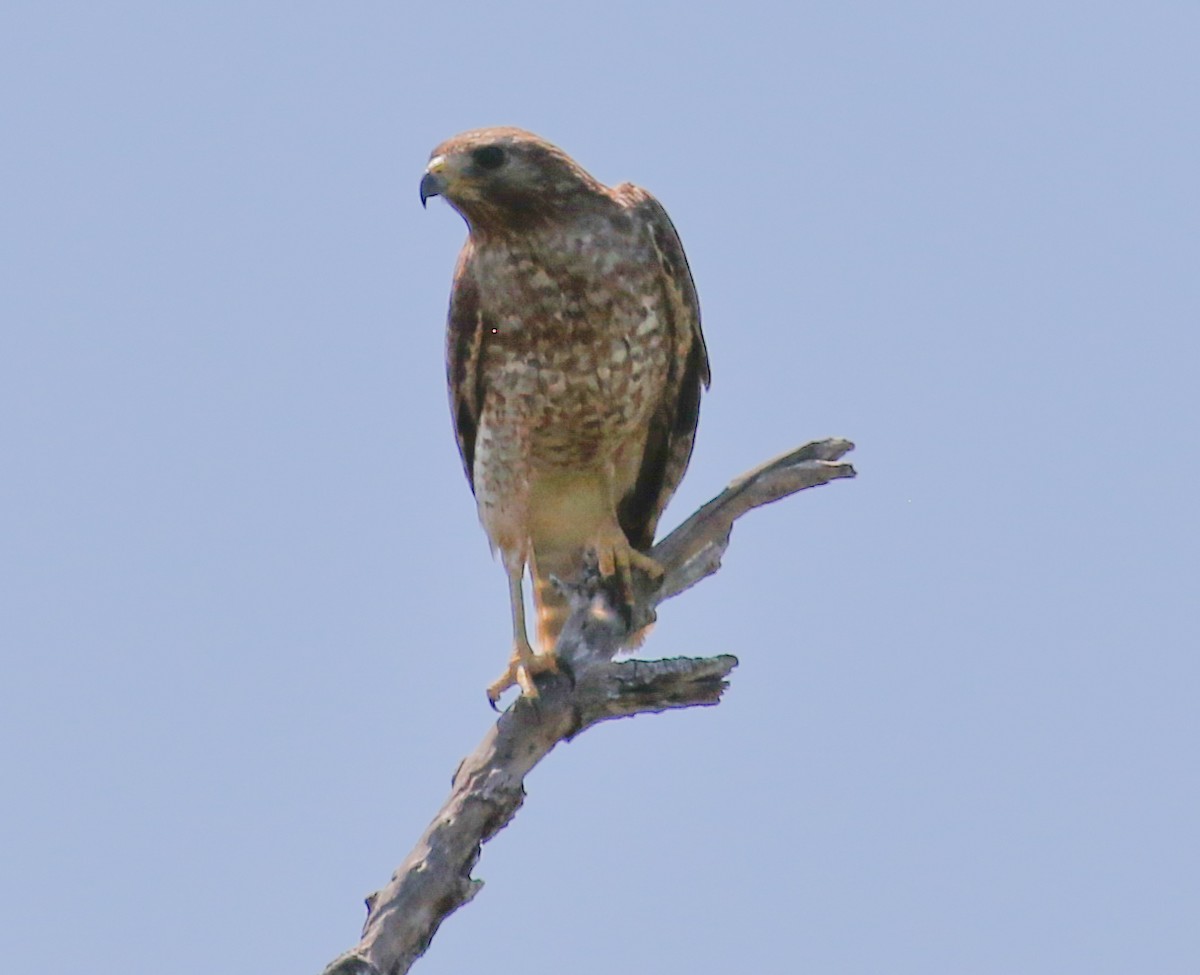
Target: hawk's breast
[574,346]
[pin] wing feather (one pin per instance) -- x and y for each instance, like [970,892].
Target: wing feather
[464,361]
[672,432]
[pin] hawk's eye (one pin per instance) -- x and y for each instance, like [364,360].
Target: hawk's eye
[488,157]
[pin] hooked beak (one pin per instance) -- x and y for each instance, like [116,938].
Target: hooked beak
[433,183]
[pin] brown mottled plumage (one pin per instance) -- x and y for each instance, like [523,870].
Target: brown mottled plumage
[575,362]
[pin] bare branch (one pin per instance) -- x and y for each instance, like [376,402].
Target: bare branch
[694,549]
[488,789]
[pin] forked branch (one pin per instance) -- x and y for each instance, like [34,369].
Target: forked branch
[487,791]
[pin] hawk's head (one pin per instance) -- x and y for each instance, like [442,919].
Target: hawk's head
[508,179]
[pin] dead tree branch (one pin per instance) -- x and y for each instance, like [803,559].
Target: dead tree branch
[487,791]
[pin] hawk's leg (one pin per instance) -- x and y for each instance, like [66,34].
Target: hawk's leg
[616,559]
[524,663]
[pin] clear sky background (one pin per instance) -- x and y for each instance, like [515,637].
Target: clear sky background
[247,614]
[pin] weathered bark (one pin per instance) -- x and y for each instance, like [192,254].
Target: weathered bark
[487,791]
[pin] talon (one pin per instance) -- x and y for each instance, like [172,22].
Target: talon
[616,559]
[523,667]
[646,563]
[606,561]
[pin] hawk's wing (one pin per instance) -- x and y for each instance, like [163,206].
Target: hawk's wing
[464,360]
[673,428]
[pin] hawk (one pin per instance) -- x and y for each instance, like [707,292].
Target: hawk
[575,364]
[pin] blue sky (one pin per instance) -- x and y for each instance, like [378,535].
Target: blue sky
[247,614]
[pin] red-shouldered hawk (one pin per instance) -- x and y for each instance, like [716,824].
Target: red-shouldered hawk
[575,362]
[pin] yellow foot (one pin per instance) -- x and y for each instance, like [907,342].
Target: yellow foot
[522,667]
[617,558]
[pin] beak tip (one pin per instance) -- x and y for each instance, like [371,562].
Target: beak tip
[431,185]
